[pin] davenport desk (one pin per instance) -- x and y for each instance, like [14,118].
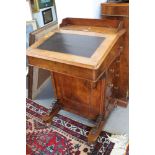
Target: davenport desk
[83,58]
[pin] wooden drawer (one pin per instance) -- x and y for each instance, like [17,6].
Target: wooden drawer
[111,9]
[113,77]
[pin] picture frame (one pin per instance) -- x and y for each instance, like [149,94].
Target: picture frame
[38,78]
[30,27]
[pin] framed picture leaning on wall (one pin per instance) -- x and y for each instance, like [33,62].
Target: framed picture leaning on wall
[30,27]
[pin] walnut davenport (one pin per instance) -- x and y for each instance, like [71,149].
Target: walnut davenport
[83,56]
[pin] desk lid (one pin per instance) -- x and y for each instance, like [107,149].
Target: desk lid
[81,45]
[78,42]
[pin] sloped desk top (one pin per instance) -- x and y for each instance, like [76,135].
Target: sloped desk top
[73,49]
[75,44]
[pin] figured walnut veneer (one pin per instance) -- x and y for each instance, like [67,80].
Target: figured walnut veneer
[84,67]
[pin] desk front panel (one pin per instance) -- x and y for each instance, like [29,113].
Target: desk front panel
[79,96]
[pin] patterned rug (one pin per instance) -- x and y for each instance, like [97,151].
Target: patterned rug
[66,136]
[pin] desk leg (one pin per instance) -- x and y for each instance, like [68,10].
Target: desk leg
[55,110]
[101,120]
[57,106]
[95,131]
[30,82]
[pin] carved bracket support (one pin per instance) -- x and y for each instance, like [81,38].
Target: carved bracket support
[95,131]
[56,108]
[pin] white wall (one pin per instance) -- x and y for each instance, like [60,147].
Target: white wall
[28,11]
[78,8]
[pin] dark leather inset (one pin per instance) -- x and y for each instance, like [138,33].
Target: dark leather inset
[81,45]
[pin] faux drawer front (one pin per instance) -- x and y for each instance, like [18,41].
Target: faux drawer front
[115,10]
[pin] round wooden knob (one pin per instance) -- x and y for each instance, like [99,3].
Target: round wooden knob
[117,75]
[111,85]
[116,88]
[112,70]
[118,61]
[121,48]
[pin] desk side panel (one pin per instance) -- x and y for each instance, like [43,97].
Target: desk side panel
[113,54]
[120,11]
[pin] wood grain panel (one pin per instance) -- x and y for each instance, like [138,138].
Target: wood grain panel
[120,11]
[115,9]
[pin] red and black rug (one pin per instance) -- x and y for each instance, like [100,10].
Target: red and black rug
[66,136]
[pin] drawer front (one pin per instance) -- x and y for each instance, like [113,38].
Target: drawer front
[115,10]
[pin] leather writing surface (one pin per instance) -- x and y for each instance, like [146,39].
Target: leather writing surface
[81,45]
